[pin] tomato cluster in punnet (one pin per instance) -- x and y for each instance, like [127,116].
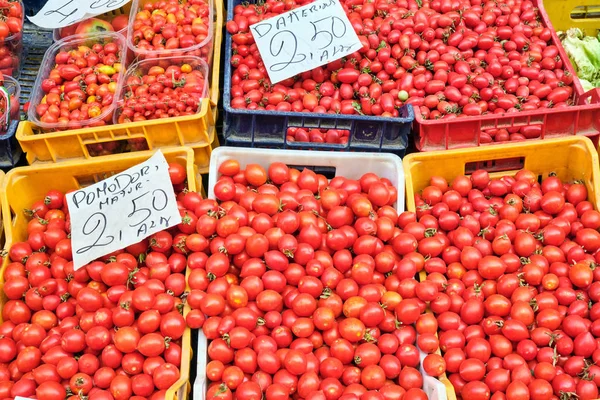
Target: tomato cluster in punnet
[170,25]
[291,288]
[512,283]
[109,331]
[448,58]
[80,89]
[11,27]
[162,92]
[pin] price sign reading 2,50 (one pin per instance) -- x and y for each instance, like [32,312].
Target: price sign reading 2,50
[122,210]
[304,38]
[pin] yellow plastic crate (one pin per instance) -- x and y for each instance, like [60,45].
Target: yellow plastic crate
[22,186]
[196,131]
[571,158]
[582,14]
[1,224]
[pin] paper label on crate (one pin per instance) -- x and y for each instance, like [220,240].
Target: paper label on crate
[122,210]
[304,38]
[61,13]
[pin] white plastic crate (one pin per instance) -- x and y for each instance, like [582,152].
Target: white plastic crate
[348,165]
[200,386]
[432,386]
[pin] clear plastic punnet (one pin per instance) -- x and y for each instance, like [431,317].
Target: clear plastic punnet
[162,88]
[11,47]
[78,82]
[155,32]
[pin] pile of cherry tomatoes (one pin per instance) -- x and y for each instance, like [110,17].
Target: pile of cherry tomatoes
[80,89]
[305,288]
[512,283]
[111,330]
[177,89]
[447,58]
[11,36]
[167,25]
[288,284]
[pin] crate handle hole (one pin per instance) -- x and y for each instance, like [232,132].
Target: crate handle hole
[498,165]
[117,147]
[328,172]
[302,134]
[586,12]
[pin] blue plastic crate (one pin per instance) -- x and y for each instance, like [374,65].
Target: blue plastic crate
[267,129]
[10,150]
[35,43]
[33,6]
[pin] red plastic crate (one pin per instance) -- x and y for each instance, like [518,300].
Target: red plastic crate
[581,119]
[443,134]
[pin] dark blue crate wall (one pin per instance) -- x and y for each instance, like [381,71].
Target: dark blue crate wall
[33,6]
[35,43]
[252,128]
[268,128]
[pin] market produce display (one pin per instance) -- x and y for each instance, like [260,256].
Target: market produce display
[448,59]
[301,278]
[110,330]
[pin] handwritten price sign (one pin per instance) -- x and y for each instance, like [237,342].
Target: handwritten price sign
[122,210]
[61,13]
[304,38]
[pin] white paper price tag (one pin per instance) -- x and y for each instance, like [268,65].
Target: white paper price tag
[61,13]
[122,210]
[304,38]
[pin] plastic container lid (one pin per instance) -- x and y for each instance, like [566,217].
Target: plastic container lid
[48,63]
[141,67]
[137,5]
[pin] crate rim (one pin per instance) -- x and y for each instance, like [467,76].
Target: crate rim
[139,156]
[406,160]
[535,113]
[318,155]
[500,150]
